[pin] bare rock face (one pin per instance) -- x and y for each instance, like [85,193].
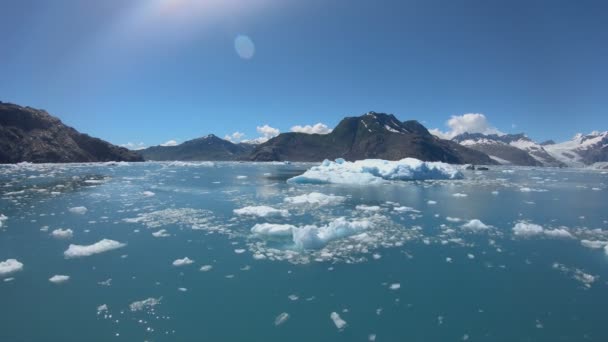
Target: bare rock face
[33,135]
[373,135]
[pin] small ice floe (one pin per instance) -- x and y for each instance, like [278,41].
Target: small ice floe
[241,177]
[145,304]
[182,289]
[431,202]
[395,286]
[338,321]
[102,308]
[453,219]
[594,244]
[470,256]
[475,225]
[281,318]
[372,208]
[312,237]
[459,195]
[148,193]
[206,268]
[584,278]
[371,337]
[315,198]
[495,192]
[2,219]
[526,230]
[161,233]
[261,211]
[293,297]
[375,171]
[78,210]
[62,233]
[448,260]
[105,245]
[59,279]
[10,266]
[404,209]
[182,262]
[239,251]
[272,229]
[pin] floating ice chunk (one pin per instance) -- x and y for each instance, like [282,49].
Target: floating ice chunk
[293,297]
[594,244]
[182,262]
[494,192]
[315,198]
[145,304]
[105,245]
[161,233]
[58,279]
[475,225]
[371,337]
[431,202]
[312,237]
[459,195]
[2,219]
[364,207]
[453,219]
[62,233]
[102,308]
[470,256]
[272,229]
[585,278]
[281,318]
[78,210]
[338,321]
[182,289]
[206,268]
[148,193]
[186,164]
[10,266]
[375,171]
[404,209]
[241,177]
[395,286]
[261,211]
[526,229]
[558,233]
[239,251]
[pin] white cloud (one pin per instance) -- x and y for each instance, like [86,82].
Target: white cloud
[467,123]
[10,266]
[62,233]
[105,245]
[319,128]
[58,279]
[134,146]
[182,262]
[169,143]
[235,137]
[267,133]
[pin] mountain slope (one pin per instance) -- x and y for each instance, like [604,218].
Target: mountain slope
[514,149]
[373,135]
[582,149]
[206,148]
[32,135]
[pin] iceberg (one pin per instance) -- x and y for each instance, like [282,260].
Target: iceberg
[313,237]
[375,171]
[272,229]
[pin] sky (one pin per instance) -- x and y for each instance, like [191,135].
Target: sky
[148,72]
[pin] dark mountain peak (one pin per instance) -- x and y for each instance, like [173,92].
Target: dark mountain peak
[33,135]
[547,142]
[209,147]
[416,127]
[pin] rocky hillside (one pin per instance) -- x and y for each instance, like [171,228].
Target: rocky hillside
[210,147]
[33,135]
[373,135]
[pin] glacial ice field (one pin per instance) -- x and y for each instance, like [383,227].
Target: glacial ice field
[302,252]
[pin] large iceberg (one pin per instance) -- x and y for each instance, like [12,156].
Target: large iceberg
[313,237]
[374,171]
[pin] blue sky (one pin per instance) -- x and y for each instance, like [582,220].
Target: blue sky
[154,70]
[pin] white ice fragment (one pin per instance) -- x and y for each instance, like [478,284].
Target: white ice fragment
[272,229]
[182,262]
[206,268]
[338,321]
[375,171]
[62,233]
[312,237]
[58,279]
[261,211]
[475,225]
[281,318]
[145,304]
[10,266]
[395,286]
[77,251]
[161,233]
[148,193]
[78,210]
[526,229]
[315,198]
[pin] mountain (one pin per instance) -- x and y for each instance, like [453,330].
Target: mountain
[373,135]
[33,135]
[582,149]
[209,147]
[512,149]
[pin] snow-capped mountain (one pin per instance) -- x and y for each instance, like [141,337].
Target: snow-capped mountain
[518,149]
[582,149]
[511,149]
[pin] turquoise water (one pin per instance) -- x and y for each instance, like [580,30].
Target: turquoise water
[409,274]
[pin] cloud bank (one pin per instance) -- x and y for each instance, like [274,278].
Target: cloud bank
[466,123]
[319,128]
